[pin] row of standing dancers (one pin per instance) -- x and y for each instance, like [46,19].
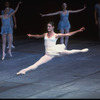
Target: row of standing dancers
[50,38]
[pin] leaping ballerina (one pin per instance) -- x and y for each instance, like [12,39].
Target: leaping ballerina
[51,48]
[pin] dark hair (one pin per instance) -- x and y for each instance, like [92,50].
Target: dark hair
[52,23]
[7,2]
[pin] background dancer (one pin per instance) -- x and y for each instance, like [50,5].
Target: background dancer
[6,29]
[12,20]
[64,24]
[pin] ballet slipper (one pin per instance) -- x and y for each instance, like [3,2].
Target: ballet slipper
[85,50]
[22,72]
[3,57]
[10,53]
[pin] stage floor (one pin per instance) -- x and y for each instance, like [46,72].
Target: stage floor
[74,76]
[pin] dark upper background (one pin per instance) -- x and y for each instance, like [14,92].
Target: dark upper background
[29,19]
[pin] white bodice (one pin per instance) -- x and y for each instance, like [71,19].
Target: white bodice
[50,42]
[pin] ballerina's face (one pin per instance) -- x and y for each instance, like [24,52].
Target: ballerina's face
[50,27]
[6,11]
[64,5]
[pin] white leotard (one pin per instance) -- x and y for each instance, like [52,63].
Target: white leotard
[51,48]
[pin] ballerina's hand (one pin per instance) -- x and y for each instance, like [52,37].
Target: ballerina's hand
[42,15]
[84,6]
[20,2]
[29,35]
[82,29]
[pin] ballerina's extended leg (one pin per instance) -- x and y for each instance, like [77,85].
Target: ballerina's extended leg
[74,51]
[42,60]
[10,44]
[3,46]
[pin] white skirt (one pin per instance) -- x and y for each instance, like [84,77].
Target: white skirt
[55,50]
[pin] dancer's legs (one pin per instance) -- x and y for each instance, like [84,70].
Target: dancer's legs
[3,46]
[66,38]
[41,61]
[74,51]
[62,38]
[12,26]
[10,43]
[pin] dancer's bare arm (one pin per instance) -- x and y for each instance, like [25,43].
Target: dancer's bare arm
[36,36]
[70,34]
[15,9]
[76,11]
[15,23]
[51,14]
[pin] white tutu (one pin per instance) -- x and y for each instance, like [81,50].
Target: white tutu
[55,50]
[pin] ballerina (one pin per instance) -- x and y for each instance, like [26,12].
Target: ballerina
[51,48]
[6,29]
[12,20]
[64,25]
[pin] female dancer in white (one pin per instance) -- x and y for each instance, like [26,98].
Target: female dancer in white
[51,48]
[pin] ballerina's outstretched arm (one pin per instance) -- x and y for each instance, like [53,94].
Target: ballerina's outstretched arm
[70,34]
[36,36]
[76,11]
[51,14]
[15,9]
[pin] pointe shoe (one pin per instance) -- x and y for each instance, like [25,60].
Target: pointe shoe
[22,72]
[7,47]
[11,46]
[3,57]
[10,53]
[85,50]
